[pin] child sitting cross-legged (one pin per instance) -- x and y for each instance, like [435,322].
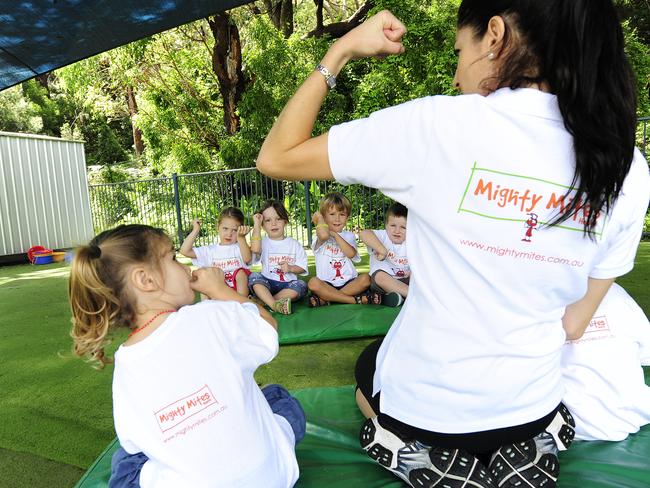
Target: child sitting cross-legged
[335,252]
[282,259]
[389,265]
[186,406]
[231,254]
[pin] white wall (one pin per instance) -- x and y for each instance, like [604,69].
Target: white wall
[43,193]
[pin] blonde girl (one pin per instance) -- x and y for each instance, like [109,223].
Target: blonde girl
[184,368]
[231,254]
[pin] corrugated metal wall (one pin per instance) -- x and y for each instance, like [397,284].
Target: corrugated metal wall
[43,193]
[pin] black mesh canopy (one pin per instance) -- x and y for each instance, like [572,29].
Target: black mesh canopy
[41,35]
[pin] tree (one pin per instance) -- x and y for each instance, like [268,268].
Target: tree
[227,65]
[17,113]
[281,14]
[637,12]
[204,95]
[338,29]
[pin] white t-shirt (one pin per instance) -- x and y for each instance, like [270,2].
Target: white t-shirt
[275,252]
[605,386]
[482,342]
[185,396]
[396,263]
[332,265]
[228,258]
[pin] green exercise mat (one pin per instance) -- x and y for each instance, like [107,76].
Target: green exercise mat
[337,321]
[330,455]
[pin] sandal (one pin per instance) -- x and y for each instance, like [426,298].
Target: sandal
[316,301]
[372,298]
[282,306]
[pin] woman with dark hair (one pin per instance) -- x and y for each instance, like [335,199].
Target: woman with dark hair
[465,390]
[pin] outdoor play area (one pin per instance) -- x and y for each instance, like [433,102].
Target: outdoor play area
[57,410]
[142,140]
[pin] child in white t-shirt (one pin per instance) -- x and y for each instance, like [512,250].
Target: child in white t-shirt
[605,387]
[186,406]
[282,259]
[389,265]
[231,254]
[335,252]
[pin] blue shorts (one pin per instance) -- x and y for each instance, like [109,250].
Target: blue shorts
[125,467]
[299,286]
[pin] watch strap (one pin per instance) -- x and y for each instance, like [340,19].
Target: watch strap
[330,79]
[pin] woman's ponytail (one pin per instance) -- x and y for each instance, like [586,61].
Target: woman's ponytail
[586,67]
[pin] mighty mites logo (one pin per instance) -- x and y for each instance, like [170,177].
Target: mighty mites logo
[532,201]
[181,410]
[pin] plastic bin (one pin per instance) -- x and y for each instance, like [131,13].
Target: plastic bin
[58,256]
[42,257]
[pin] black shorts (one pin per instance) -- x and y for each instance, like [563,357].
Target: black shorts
[482,444]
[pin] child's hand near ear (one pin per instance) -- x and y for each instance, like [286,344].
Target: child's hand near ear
[196,225]
[317,218]
[242,230]
[257,220]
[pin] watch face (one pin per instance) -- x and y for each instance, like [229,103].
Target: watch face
[331,82]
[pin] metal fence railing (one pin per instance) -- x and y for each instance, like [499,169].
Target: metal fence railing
[171,203]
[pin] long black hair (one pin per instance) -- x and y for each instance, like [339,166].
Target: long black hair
[577,48]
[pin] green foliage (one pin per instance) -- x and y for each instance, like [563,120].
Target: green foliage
[17,113]
[179,104]
[49,110]
[426,68]
[639,55]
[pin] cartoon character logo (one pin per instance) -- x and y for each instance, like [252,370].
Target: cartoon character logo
[279,272]
[530,224]
[228,276]
[399,273]
[337,266]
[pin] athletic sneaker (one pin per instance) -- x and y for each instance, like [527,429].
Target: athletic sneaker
[392,299]
[534,463]
[422,466]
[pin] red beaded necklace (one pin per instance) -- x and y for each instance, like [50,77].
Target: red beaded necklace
[162,312]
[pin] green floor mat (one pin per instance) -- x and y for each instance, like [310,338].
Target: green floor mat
[334,322]
[330,454]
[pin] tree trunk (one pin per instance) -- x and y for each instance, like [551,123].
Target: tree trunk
[319,16]
[227,65]
[138,143]
[281,14]
[44,81]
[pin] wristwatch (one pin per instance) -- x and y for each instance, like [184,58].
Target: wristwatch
[330,79]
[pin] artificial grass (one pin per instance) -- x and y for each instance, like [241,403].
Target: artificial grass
[637,282]
[56,407]
[19,469]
